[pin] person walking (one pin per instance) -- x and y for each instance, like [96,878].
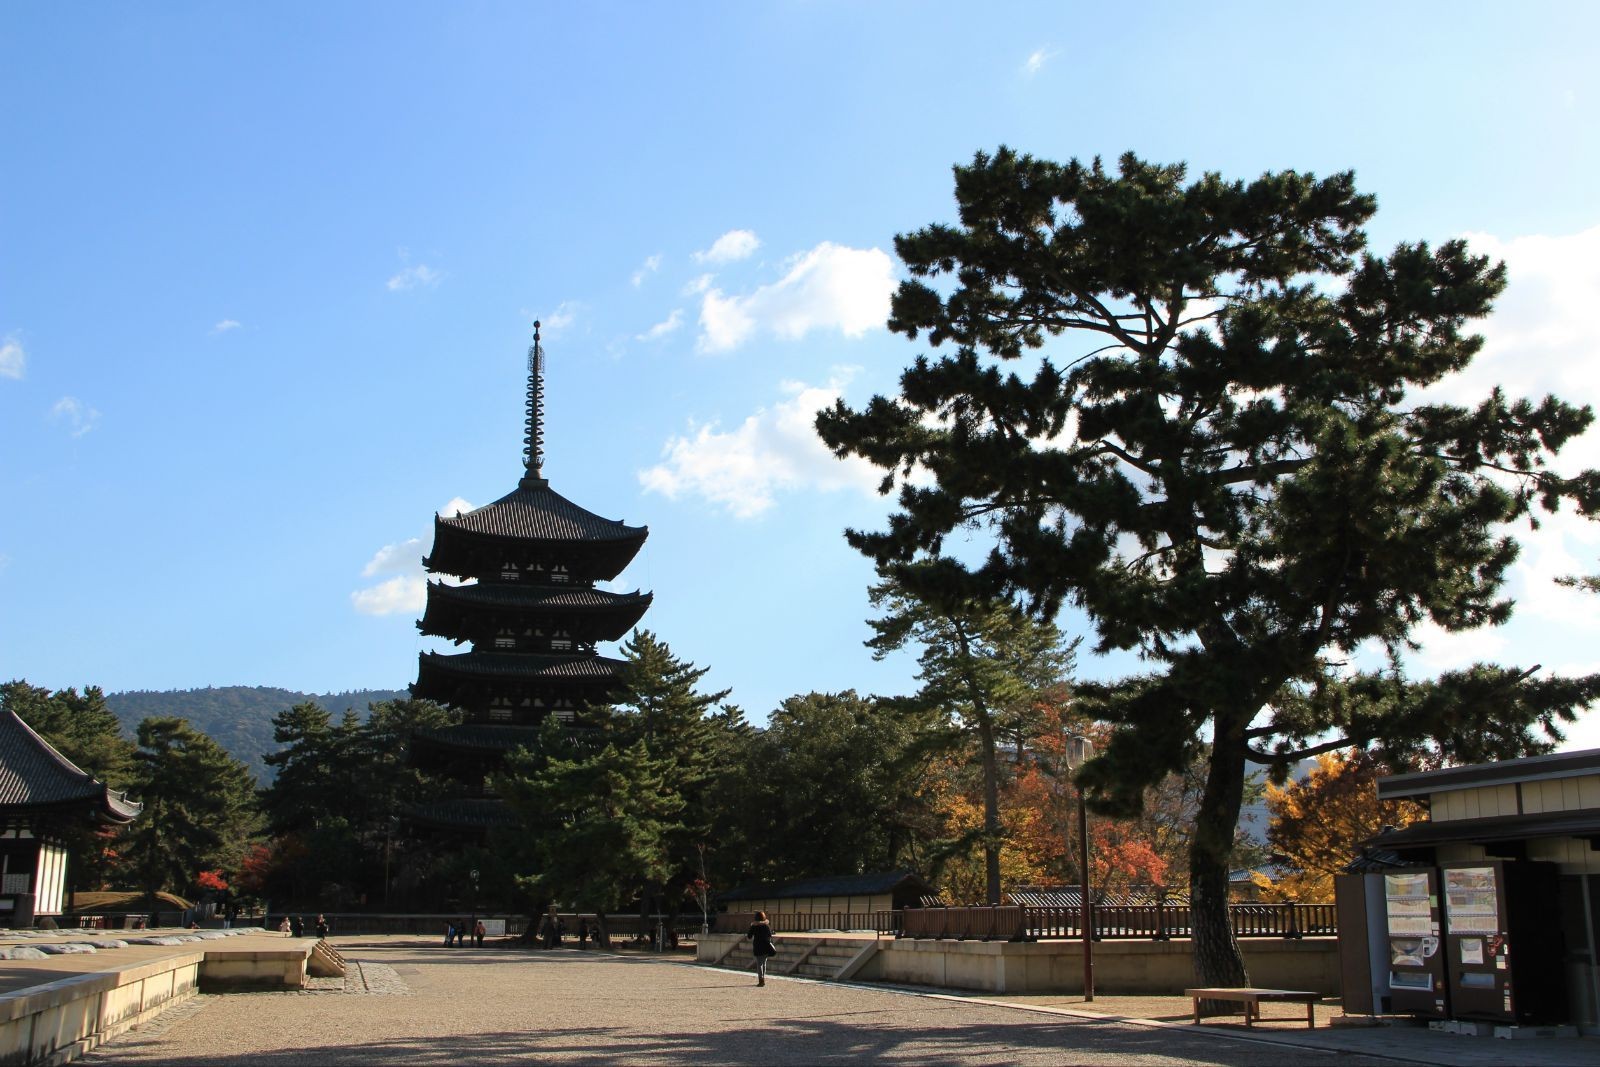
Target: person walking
[322,927]
[760,936]
[478,933]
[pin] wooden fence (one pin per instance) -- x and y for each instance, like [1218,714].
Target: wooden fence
[880,922]
[1155,922]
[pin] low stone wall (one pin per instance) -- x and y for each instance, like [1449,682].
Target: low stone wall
[61,1020]
[227,970]
[1120,967]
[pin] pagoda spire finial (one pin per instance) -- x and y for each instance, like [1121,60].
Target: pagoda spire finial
[533,436]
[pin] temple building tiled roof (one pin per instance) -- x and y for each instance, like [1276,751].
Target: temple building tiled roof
[36,779]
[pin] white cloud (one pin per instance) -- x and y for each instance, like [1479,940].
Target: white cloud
[649,267]
[831,286]
[1541,339]
[565,314]
[411,277]
[225,325]
[1443,650]
[775,450]
[79,417]
[406,588]
[730,247]
[398,558]
[1037,59]
[696,286]
[402,593]
[662,328]
[13,360]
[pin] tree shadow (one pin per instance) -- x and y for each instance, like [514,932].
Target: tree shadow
[764,1042]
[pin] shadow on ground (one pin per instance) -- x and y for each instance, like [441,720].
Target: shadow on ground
[837,1037]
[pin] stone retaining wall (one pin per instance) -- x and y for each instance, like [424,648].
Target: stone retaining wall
[1120,967]
[59,1021]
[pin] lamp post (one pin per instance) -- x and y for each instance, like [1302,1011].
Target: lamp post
[1079,750]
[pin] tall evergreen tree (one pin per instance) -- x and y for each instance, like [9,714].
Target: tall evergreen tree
[1231,473]
[833,785]
[199,813]
[636,777]
[985,668]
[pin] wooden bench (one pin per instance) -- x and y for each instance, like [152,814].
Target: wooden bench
[1253,998]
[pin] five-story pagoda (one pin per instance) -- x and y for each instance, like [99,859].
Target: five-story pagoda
[531,613]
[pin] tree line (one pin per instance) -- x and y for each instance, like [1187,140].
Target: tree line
[658,800]
[665,797]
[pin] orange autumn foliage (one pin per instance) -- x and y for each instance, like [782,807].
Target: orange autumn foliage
[1318,824]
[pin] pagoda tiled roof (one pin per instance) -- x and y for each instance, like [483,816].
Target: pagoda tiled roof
[36,779]
[478,737]
[462,813]
[516,595]
[524,665]
[534,511]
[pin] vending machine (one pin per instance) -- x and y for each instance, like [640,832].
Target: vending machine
[1504,945]
[1417,978]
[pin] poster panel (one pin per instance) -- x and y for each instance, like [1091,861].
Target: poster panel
[1471,903]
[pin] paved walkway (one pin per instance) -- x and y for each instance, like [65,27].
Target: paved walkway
[424,1004]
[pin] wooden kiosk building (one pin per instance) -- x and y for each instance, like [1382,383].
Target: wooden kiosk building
[532,617]
[42,794]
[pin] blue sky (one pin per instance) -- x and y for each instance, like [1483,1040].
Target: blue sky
[267,275]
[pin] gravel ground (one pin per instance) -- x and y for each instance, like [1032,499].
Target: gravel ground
[410,1003]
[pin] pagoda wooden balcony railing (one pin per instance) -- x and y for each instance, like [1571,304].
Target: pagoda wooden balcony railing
[1155,922]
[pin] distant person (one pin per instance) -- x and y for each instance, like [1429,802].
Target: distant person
[283,926]
[760,937]
[478,933]
[297,926]
[322,928]
[449,933]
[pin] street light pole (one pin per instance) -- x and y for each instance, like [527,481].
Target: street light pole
[1078,752]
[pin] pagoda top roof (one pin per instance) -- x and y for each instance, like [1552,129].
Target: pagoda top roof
[36,779]
[534,511]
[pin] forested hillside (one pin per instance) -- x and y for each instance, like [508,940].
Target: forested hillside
[238,717]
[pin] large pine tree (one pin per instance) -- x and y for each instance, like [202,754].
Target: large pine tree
[1190,408]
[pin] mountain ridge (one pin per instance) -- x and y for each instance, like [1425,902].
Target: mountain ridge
[238,717]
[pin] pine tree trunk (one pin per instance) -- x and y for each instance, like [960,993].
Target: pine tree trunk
[1217,959]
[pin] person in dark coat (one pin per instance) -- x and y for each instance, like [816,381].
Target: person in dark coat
[322,927]
[297,927]
[760,936]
